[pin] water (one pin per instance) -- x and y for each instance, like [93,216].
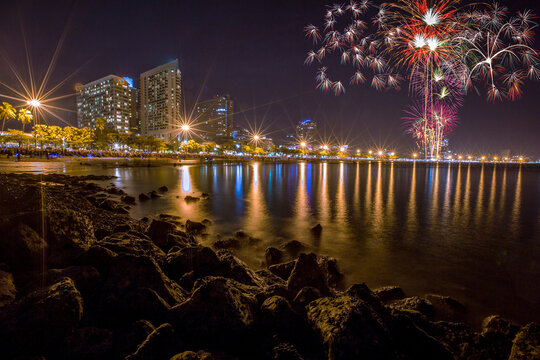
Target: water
[468,231]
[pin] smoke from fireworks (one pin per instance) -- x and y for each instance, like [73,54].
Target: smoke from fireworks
[442,47]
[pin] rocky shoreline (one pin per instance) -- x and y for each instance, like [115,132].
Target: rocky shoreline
[81,279]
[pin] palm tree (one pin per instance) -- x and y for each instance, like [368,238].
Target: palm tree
[7,111]
[25,117]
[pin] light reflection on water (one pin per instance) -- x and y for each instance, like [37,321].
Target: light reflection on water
[469,231]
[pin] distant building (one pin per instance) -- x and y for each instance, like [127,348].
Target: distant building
[306,130]
[161,100]
[113,98]
[215,117]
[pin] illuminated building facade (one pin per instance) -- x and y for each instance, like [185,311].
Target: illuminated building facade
[161,101]
[112,98]
[306,130]
[215,117]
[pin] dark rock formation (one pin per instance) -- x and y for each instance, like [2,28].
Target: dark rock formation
[283,270]
[163,188]
[143,197]
[230,243]
[273,256]
[294,247]
[8,291]
[389,293]
[306,272]
[317,230]
[527,343]
[162,343]
[194,227]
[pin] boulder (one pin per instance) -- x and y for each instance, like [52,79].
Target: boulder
[128,339]
[304,297]
[122,228]
[527,343]
[358,326]
[446,308]
[163,188]
[334,277]
[194,227]
[317,230]
[234,268]
[283,270]
[230,243]
[278,317]
[154,195]
[69,235]
[162,343]
[189,198]
[389,293]
[285,351]
[306,272]
[159,230]
[86,278]
[88,343]
[128,199]
[202,260]
[22,248]
[41,319]
[133,243]
[143,197]
[190,355]
[8,291]
[220,312]
[414,304]
[294,247]
[101,233]
[273,256]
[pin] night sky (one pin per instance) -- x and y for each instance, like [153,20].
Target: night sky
[253,50]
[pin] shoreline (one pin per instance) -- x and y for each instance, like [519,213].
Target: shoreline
[108,271]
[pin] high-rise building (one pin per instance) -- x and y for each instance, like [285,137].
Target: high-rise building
[306,130]
[111,98]
[215,117]
[161,100]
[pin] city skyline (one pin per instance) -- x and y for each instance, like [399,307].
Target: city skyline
[281,97]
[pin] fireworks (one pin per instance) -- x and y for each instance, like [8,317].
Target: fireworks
[443,48]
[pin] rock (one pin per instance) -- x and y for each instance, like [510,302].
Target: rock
[101,233]
[137,277]
[159,230]
[231,243]
[207,222]
[22,248]
[304,297]
[273,256]
[128,199]
[190,198]
[8,291]
[334,277]
[133,243]
[190,355]
[415,304]
[446,308]
[360,327]
[180,240]
[154,195]
[269,278]
[163,189]
[109,205]
[495,323]
[122,228]
[42,318]
[88,343]
[162,343]
[203,261]
[86,278]
[306,272]
[143,197]
[527,343]
[283,270]
[285,351]
[205,195]
[128,339]
[317,230]
[241,234]
[389,293]
[69,236]
[194,227]
[278,317]
[294,247]
[220,312]
[234,268]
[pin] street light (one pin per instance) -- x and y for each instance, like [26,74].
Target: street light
[34,103]
[256,137]
[380,153]
[415,155]
[303,144]
[342,149]
[185,127]
[370,152]
[325,147]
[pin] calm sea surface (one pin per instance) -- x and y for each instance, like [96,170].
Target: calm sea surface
[468,231]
